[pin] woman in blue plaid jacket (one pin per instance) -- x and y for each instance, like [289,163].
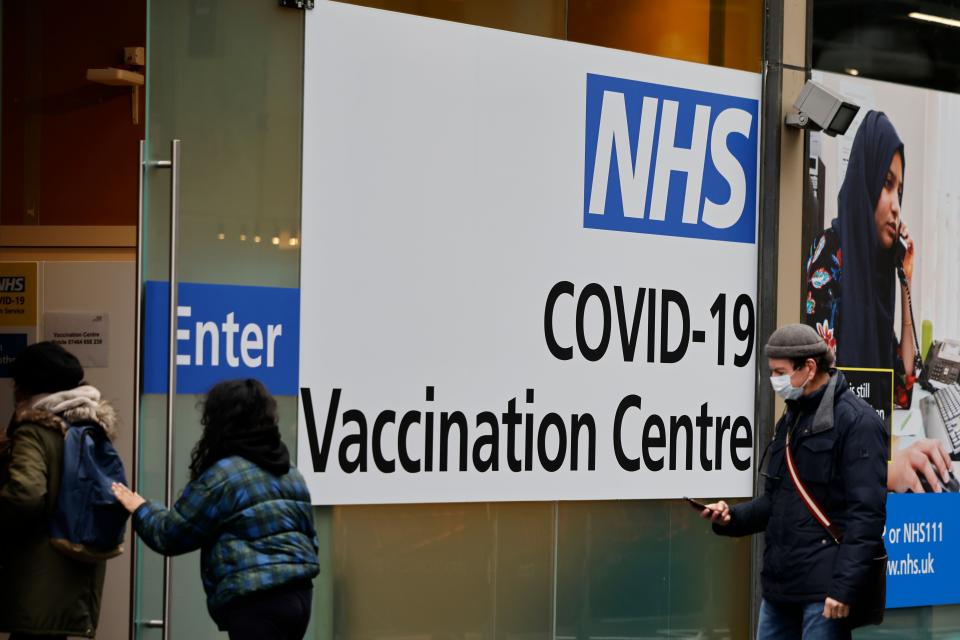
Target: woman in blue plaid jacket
[249,513]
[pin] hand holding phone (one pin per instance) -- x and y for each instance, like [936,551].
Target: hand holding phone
[900,250]
[903,252]
[718,512]
[697,506]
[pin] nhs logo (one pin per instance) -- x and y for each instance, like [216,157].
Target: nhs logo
[222,332]
[669,161]
[13,284]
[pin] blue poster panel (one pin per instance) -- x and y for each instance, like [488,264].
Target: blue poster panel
[922,536]
[223,332]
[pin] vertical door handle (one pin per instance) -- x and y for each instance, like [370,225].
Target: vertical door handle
[172,364]
[134,477]
[174,165]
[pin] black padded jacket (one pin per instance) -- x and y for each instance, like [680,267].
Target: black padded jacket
[840,448]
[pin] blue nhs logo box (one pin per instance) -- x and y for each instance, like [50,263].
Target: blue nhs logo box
[223,332]
[670,161]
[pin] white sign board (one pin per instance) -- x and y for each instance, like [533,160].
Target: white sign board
[84,334]
[528,267]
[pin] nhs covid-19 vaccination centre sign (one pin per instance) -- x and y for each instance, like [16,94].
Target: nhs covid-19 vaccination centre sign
[528,267]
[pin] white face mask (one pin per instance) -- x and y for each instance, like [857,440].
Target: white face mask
[783,387]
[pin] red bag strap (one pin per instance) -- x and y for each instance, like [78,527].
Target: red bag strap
[818,514]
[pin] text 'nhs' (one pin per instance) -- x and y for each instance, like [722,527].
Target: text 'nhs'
[670,161]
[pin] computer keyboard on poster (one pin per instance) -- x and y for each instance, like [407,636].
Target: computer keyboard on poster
[948,403]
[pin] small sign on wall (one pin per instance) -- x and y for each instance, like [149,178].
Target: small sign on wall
[18,320]
[18,294]
[84,334]
[875,387]
[10,345]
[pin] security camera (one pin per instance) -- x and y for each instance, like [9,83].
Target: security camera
[819,109]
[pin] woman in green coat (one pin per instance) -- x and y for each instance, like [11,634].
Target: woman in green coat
[43,593]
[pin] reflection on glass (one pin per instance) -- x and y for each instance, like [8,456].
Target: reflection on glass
[649,569]
[919,623]
[726,33]
[908,43]
[68,149]
[603,569]
[535,17]
[443,571]
[227,81]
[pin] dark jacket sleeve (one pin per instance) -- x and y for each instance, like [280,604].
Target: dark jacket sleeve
[751,517]
[864,465]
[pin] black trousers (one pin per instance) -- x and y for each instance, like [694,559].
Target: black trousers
[271,615]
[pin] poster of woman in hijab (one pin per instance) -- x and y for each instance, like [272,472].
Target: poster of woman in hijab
[882,259]
[881,267]
[853,266]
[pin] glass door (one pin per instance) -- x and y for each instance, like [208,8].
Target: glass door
[221,206]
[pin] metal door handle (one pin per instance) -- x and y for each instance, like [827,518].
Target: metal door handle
[174,165]
[134,477]
[172,365]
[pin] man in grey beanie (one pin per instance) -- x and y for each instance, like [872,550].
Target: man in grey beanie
[838,450]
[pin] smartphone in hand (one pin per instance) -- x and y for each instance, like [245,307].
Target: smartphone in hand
[697,506]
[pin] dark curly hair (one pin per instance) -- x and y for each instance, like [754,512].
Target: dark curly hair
[233,410]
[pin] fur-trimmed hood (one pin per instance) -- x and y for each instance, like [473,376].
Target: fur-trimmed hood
[53,411]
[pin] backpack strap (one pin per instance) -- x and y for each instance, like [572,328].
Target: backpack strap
[818,514]
[84,425]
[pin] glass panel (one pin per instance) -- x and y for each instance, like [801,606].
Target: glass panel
[637,569]
[226,79]
[720,32]
[228,85]
[623,569]
[905,42]
[921,623]
[536,17]
[443,571]
[69,151]
[544,570]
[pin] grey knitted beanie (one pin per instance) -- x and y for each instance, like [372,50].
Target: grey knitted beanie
[795,341]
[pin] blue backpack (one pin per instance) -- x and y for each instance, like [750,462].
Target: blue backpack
[88,523]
